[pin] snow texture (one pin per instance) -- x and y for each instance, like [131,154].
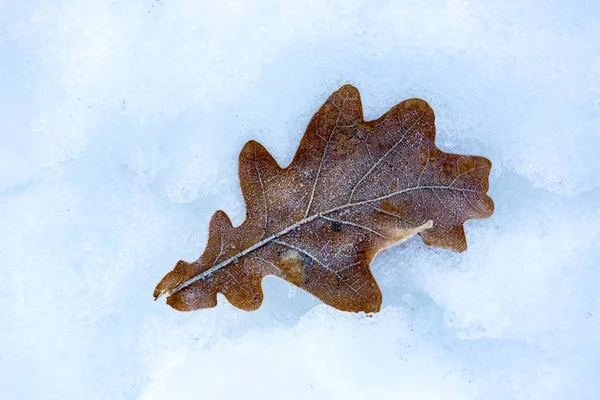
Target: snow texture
[120,126]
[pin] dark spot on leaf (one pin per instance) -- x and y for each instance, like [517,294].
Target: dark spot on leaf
[307,262]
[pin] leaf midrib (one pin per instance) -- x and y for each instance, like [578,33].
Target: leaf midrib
[298,224]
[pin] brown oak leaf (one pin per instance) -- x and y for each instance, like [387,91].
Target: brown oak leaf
[354,188]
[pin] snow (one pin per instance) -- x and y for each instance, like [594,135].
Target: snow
[120,129]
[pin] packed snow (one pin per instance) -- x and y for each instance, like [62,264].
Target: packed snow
[120,127]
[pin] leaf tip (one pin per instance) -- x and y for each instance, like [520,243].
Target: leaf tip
[159,293]
[348,92]
[347,87]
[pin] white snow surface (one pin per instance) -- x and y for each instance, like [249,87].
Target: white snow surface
[120,126]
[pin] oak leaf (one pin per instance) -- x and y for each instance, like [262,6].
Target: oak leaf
[354,188]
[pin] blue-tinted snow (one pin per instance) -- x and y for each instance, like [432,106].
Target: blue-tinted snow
[120,129]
